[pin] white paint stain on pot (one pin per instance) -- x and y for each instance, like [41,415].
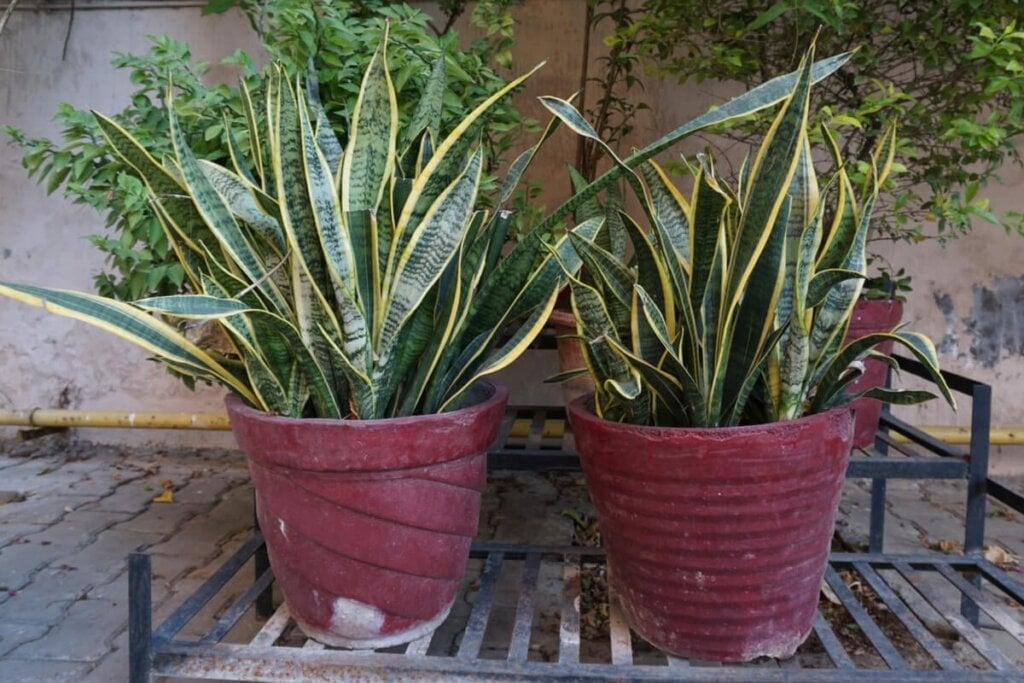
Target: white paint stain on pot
[354,619]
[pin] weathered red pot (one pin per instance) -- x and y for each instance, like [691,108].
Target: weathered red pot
[368,522]
[871,315]
[570,355]
[717,539]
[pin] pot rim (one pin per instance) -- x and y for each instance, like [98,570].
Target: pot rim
[498,392]
[583,408]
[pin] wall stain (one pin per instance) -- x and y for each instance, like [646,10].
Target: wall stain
[996,322]
[949,344]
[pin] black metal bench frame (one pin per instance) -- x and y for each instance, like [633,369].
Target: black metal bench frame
[164,652]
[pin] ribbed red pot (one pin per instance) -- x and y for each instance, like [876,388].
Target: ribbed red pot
[871,315]
[368,522]
[717,539]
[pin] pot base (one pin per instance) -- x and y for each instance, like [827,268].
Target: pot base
[780,646]
[333,639]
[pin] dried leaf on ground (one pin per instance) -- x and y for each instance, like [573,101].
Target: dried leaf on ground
[1001,557]
[168,495]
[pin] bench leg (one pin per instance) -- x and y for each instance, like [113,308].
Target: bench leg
[140,615]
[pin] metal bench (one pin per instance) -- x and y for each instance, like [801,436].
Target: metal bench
[924,617]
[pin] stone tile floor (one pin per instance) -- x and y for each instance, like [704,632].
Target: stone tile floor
[71,512]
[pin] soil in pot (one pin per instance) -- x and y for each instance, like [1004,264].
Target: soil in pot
[871,315]
[369,522]
[717,539]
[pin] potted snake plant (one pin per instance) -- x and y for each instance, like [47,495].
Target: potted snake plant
[362,302]
[716,443]
[361,295]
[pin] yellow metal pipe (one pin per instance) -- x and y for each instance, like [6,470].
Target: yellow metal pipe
[115,419]
[997,436]
[553,429]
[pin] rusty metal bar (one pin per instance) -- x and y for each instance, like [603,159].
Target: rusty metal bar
[473,637]
[621,641]
[273,629]
[519,648]
[231,616]
[569,625]
[882,644]
[833,648]
[977,640]
[906,616]
[986,602]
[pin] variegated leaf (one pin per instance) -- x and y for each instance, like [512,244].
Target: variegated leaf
[372,142]
[240,197]
[430,248]
[756,99]
[129,323]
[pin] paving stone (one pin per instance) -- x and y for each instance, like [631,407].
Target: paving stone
[15,635]
[99,562]
[77,528]
[205,570]
[1007,533]
[19,561]
[11,530]
[101,484]
[902,537]
[133,497]
[68,581]
[200,536]
[44,509]
[38,474]
[84,635]
[43,601]
[117,589]
[113,666]
[206,485]
[36,671]
[163,518]
[935,524]
[526,491]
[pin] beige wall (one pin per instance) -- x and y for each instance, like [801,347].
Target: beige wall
[42,239]
[969,297]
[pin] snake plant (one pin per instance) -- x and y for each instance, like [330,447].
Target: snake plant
[735,305]
[354,277]
[351,281]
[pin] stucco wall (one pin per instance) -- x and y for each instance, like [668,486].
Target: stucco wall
[969,297]
[44,358]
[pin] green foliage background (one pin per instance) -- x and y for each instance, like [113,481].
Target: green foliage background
[949,71]
[336,38]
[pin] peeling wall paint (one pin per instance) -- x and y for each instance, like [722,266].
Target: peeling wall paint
[996,322]
[993,329]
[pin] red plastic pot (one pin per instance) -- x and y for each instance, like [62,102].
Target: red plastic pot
[871,315]
[717,539]
[368,523]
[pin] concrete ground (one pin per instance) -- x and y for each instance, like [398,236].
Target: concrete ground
[71,512]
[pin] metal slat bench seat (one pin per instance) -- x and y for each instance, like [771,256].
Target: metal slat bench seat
[896,596]
[528,612]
